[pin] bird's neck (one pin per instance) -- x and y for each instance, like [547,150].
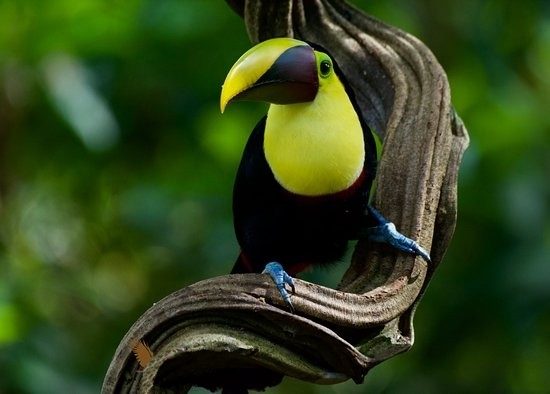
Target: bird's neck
[315,148]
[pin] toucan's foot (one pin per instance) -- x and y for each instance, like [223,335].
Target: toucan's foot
[280,277]
[387,233]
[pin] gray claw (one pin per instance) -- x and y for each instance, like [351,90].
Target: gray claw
[280,277]
[387,233]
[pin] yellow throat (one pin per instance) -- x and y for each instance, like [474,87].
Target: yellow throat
[315,148]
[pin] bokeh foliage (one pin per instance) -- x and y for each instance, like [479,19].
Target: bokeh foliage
[116,171]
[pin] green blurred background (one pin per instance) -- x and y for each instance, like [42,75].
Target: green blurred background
[116,172]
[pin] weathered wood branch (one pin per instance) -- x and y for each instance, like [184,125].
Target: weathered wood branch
[233,330]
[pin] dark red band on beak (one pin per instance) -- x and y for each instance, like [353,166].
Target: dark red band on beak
[291,79]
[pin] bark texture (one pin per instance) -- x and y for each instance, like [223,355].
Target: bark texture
[236,328]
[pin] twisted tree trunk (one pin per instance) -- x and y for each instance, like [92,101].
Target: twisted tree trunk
[235,328]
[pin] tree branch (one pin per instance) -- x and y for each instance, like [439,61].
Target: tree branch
[235,328]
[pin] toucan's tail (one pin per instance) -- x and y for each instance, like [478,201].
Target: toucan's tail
[243,265]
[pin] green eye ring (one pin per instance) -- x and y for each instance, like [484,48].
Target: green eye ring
[325,68]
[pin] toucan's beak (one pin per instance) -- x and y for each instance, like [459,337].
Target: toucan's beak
[279,71]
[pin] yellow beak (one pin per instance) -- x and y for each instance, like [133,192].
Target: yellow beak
[279,70]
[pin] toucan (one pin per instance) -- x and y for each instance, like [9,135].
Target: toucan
[303,184]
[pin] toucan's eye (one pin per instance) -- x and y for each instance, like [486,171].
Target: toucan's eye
[325,68]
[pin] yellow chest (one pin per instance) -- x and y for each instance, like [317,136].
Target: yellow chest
[315,148]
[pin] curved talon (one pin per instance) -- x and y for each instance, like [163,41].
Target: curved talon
[387,233]
[280,277]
